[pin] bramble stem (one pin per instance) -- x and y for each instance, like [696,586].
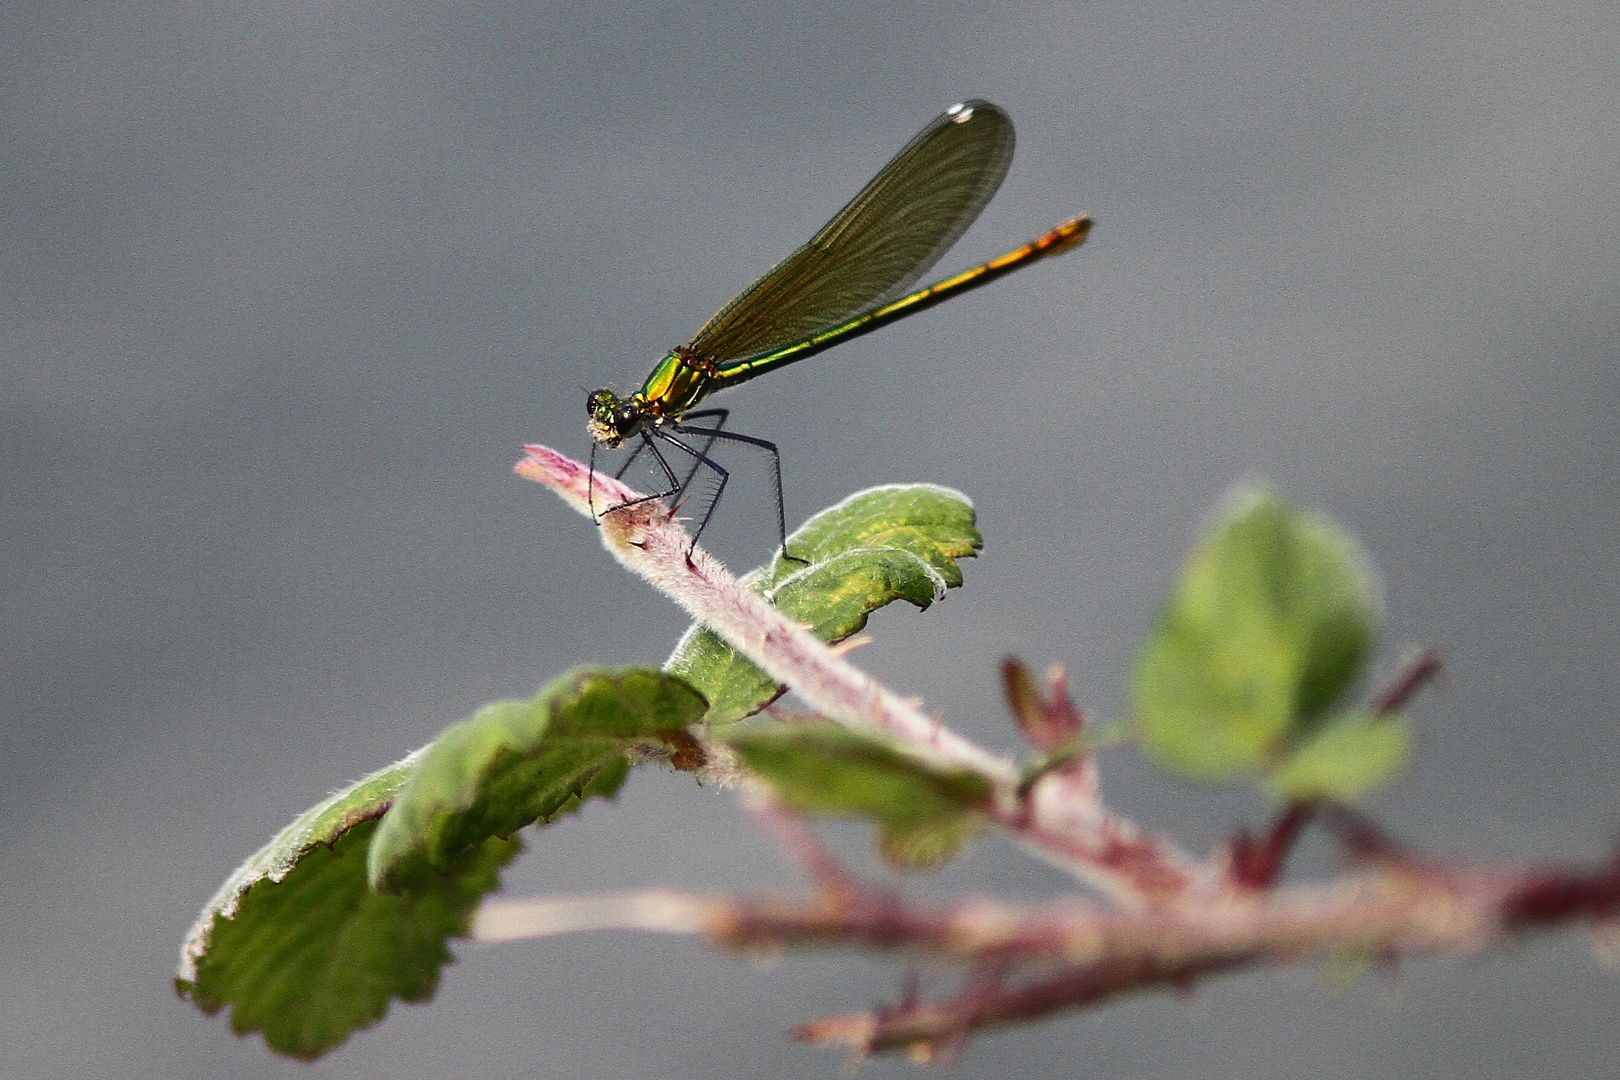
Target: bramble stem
[1097,954]
[1174,920]
[1258,864]
[1110,853]
[648,540]
[1416,671]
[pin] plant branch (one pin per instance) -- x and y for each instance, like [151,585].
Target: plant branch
[1176,920]
[800,843]
[1257,864]
[1367,912]
[1416,671]
[648,540]
[1056,819]
[1080,954]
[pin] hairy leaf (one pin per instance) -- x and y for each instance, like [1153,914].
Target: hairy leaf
[924,812]
[1271,621]
[932,522]
[517,762]
[298,946]
[898,542]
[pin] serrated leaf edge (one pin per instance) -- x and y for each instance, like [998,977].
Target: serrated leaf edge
[276,859]
[864,492]
[563,693]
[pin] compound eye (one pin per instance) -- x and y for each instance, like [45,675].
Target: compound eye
[625,418]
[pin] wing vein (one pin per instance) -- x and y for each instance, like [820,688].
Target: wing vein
[877,246]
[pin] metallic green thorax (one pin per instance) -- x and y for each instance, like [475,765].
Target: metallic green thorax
[681,380]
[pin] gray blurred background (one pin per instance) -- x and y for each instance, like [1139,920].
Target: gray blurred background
[285,286]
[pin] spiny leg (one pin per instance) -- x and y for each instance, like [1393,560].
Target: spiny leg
[669,477]
[640,446]
[590,485]
[678,486]
[618,474]
[669,473]
[776,464]
[702,459]
[719,415]
[629,461]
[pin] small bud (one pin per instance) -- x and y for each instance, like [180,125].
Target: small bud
[1047,720]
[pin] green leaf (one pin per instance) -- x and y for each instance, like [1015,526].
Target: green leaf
[1345,760]
[898,542]
[517,762]
[303,951]
[1270,623]
[302,948]
[932,522]
[924,812]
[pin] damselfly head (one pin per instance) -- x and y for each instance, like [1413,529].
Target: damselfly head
[612,419]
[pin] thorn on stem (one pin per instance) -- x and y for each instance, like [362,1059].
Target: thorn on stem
[1257,864]
[850,644]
